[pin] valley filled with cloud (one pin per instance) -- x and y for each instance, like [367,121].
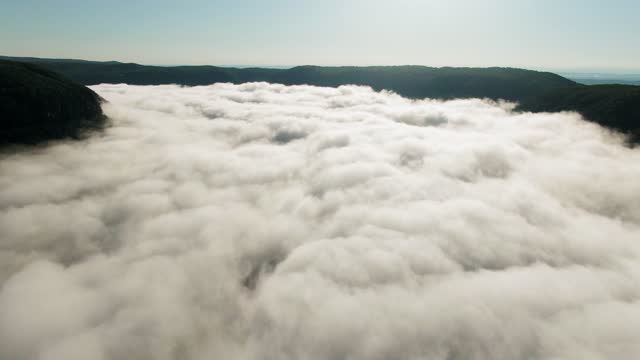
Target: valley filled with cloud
[263,221]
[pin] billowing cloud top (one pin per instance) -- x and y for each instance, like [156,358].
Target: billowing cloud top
[262,221]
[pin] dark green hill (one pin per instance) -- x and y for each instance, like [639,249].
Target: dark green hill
[409,81]
[37,105]
[438,83]
[613,106]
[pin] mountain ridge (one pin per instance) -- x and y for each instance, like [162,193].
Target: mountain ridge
[414,81]
[614,107]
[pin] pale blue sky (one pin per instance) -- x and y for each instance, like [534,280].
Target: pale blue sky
[551,34]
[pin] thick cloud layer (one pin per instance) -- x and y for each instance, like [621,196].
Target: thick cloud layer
[263,221]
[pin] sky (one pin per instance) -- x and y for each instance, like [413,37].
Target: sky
[590,35]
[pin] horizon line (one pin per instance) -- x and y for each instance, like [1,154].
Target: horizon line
[557,70]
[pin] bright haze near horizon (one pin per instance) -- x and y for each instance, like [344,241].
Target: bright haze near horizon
[569,35]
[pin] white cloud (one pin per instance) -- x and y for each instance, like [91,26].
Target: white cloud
[263,221]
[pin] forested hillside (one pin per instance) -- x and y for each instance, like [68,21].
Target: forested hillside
[37,104]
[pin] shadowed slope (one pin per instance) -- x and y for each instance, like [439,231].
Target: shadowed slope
[613,106]
[37,104]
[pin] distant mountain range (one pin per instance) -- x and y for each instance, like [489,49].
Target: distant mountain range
[616,106]
[604,81]
[409,81]
[603,78]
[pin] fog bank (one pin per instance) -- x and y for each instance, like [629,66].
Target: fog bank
[262,221]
